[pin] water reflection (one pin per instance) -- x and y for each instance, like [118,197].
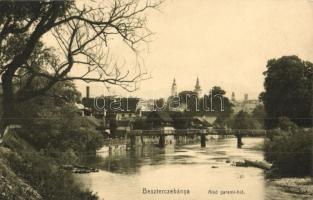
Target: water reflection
[124,174]
[128,162]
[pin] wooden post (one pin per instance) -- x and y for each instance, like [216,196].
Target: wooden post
[132,141]
[125,139]
[142,140]
[162,141]
[177,139]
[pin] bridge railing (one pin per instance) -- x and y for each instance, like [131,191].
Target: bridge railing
[167,132]
[253,132]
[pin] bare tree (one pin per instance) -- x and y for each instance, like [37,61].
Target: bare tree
[82,31]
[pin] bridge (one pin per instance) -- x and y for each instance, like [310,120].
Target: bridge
[202,133]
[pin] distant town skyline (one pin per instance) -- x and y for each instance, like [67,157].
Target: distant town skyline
[224,43]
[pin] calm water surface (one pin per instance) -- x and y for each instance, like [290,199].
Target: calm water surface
[124,174]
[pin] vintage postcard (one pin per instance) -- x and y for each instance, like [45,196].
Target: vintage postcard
[156,99]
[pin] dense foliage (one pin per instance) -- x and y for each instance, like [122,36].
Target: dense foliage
[288,91]
[220,105]
[54,124]
[290,152]
[259,114]
[244,120]
[42,173]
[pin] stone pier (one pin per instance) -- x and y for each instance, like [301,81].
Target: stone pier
[162,141]
[203,140]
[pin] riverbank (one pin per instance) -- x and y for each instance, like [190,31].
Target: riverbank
[26,173]
[303,186]
[11,185]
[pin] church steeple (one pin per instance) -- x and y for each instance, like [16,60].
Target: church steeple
[197,84]
[174,88]
[198,88]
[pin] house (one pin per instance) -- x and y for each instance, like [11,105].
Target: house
[81,109]
[185,120]
[246,105]
[116,113]
[123,127]
[198,123]
[159,119]
[122,108]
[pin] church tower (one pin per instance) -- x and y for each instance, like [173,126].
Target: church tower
[198,88]
[233,98]
[174,88]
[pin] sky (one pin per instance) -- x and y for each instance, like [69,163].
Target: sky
[225,43]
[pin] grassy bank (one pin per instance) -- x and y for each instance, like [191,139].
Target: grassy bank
[290,152]
[11,185]
[31,174]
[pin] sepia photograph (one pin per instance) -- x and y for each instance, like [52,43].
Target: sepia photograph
[156,99]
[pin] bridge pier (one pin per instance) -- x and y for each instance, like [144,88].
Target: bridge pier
[182,137]
[239,141]
[162,141]
[203,140]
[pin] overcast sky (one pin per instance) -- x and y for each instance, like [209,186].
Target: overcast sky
[224,42]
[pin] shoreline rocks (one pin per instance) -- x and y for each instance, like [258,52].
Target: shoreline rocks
[79,169]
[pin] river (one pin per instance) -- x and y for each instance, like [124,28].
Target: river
[198,173]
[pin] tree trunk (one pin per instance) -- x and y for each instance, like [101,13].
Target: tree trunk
[9,115]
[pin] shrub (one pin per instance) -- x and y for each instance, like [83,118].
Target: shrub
[284,123]
[243,120]
[290,152]
[42,173]
[55,129]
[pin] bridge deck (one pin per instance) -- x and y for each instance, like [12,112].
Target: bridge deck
[196,132]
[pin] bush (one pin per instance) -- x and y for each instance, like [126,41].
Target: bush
[284,123]
[42,172]
[243,120]
[290,152]
[59,128]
